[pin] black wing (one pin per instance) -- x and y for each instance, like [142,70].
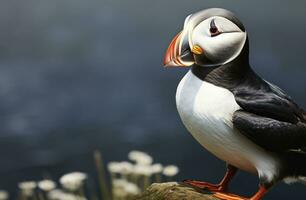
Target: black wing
[269,117]
[265,99]
[271,134]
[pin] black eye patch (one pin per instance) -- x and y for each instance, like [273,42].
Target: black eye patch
[213,28]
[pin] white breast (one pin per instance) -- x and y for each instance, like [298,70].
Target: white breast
[206,110]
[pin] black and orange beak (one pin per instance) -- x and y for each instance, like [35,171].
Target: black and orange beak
[178,53]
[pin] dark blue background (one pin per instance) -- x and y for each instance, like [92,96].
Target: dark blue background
[82,75]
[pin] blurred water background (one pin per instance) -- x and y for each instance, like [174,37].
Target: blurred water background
[76,76]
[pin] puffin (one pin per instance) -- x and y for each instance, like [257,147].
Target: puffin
[242,119]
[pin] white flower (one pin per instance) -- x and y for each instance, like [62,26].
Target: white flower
[123,188]
[170,170]
[55,194]
[73,181]
[132,189]
[119,183]
[140,158]
[118,188]
[143,170]
[4,195]
[60,195]
[157,168]
[114,167]
[27,187]
[126,167]
[46,185]
[120,167]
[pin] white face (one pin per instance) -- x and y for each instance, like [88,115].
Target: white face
[220,39]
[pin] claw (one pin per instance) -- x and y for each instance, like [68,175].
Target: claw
[220,187]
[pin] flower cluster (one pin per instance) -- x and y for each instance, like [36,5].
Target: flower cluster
[127,180]
[72,188]
[130,178]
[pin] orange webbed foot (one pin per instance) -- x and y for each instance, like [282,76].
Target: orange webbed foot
[229,196]
[205,186]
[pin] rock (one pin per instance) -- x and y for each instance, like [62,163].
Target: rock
[173,191]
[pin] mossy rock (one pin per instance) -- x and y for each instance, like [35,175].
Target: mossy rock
[173,191]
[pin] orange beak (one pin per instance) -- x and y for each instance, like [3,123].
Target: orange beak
[178,53]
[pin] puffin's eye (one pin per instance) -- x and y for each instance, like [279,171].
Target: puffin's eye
[213,29]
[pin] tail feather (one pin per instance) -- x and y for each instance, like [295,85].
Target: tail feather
[302,179]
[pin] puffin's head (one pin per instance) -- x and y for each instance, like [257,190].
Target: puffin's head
[210,37]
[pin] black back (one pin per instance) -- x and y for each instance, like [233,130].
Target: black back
[268,116]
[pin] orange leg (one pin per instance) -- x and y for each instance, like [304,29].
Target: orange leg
[228,196]
[220,187]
